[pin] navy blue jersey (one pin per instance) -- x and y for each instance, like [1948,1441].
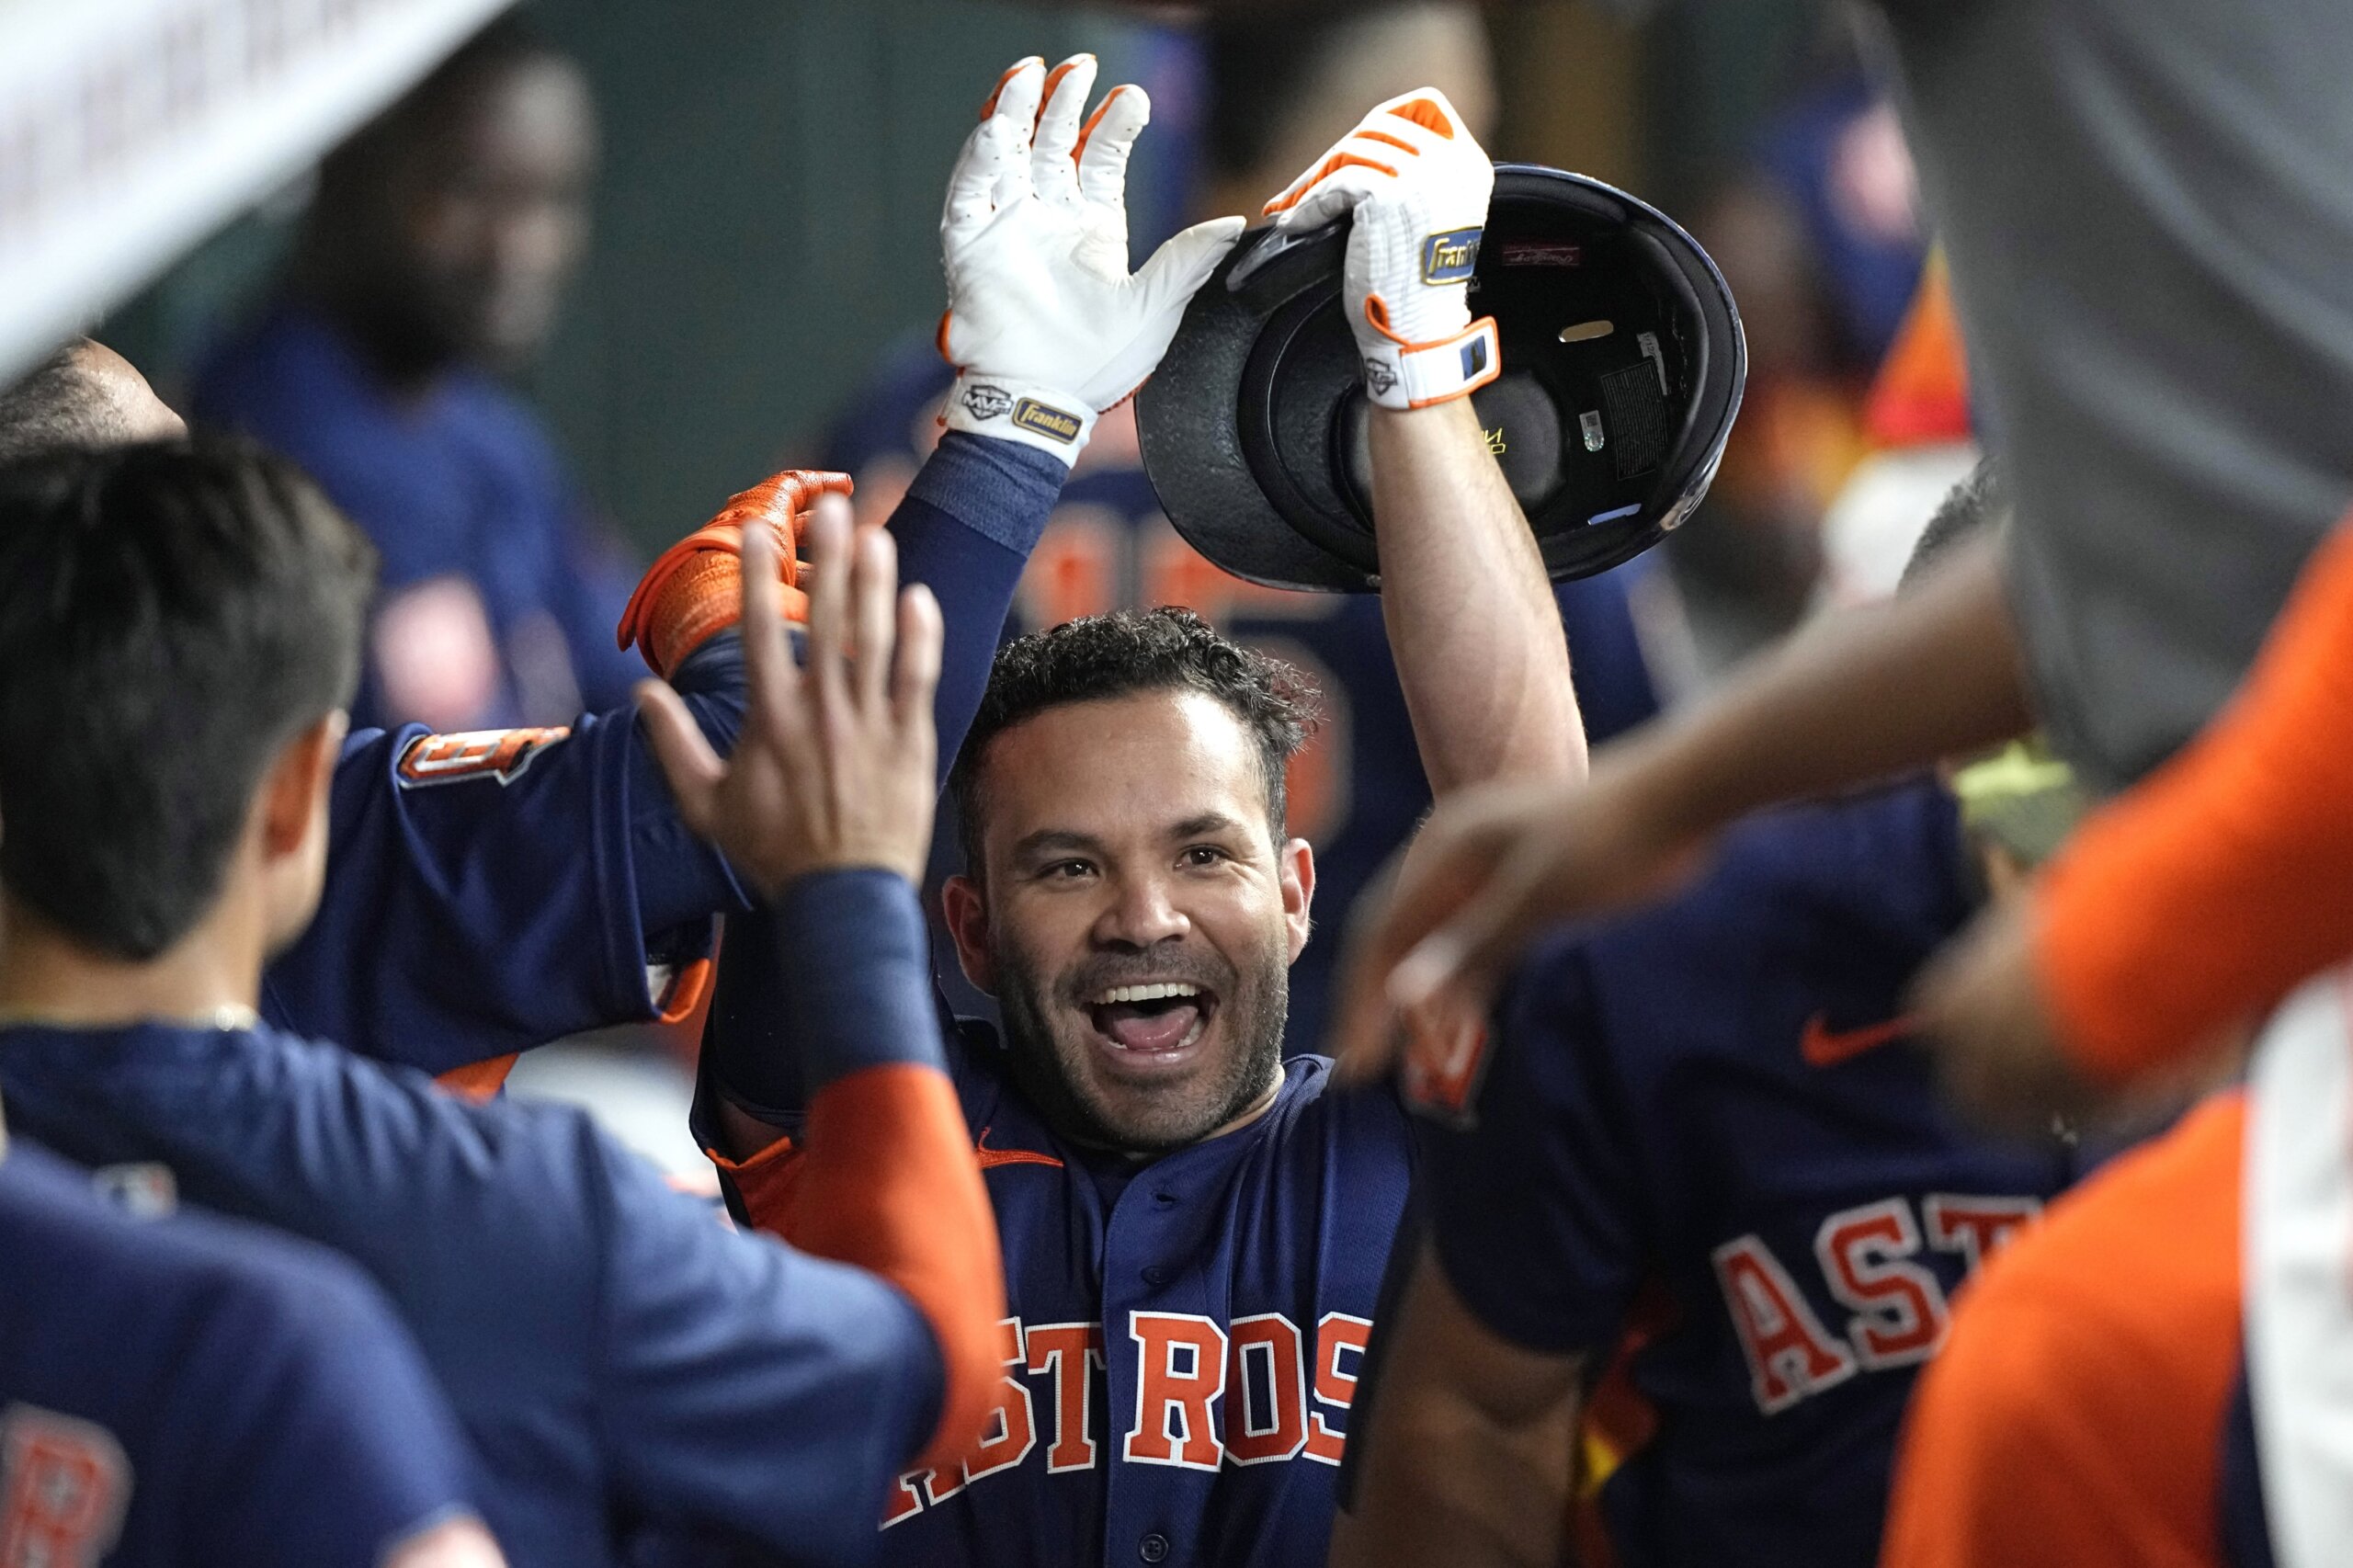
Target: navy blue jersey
[486,893]
[618,1357]
[465,498]
[1701,1133]
[1357,790]
[1186,1337]
[185,1391]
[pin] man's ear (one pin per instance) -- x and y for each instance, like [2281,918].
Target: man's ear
[294,791]
[966,910]
[1295,865]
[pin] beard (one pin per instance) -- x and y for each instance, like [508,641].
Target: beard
[1055,1055]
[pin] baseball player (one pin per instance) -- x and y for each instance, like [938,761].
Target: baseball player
[2182,910]
[1194,1231]
[178,623]
[1355,790]
[461,922]
[1700,1223]
[182,1390]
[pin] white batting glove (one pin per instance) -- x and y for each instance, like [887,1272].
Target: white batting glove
[1418,185]
[1044,319]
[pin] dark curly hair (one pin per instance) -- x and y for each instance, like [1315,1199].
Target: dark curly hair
[1126,653]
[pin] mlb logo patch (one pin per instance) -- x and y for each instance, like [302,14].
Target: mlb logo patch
[1450,257]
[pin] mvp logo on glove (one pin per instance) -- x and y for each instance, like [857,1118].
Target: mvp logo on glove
[1450,257]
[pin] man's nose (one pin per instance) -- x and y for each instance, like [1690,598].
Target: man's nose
[1140,913]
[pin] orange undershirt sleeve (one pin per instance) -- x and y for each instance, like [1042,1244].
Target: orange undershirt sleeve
[2226,877]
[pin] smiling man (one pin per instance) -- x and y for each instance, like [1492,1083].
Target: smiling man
[1194,1230]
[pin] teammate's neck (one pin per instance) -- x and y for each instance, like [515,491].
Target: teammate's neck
[210,974]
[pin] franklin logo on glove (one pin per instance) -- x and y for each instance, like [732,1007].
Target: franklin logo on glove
[1050,423]
[1450,257]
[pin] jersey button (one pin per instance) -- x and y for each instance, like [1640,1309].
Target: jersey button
[1153,1548]
[1155,1275]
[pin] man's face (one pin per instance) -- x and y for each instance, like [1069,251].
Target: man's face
[1137,919]
[491,209]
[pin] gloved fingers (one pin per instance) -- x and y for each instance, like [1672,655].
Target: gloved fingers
[1343,168]
[1334,195]
[1012,116]
[971,185]
[1053,169]
[1178,269]
[1424,107]
[1105,142]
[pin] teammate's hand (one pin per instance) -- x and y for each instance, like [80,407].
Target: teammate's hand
[1044,319]
[833,768]
[1418,185]
[693,591]
[1981,1011]
[1490,869]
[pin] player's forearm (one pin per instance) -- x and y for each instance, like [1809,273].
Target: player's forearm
[2227,877]
[965,530]
[1851,697]
[1471,1452]
[883,1175]
[1472,620]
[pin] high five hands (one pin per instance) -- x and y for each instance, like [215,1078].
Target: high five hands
[834,766]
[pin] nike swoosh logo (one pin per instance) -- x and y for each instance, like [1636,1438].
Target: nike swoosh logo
[1823,1046]
[990,1158]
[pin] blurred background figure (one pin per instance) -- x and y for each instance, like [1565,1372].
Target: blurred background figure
[1817,227]
[430,264]
[1275,92]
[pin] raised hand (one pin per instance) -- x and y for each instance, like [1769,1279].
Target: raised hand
[1044,321]
[833,768]
[1490,869]
[1417,185]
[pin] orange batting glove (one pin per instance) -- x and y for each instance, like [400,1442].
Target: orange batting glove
[696,590]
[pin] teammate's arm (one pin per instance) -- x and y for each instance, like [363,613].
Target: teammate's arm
[1851,697]
[1472,620]
[1470,1456]
[827,804]
[2202,895]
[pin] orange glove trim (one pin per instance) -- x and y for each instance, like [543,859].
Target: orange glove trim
[1397,142]
[2226,877]
[1331,164]
[1426,115]
[1088,131]
[695,589]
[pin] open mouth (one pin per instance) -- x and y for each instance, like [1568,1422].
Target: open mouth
[1155,1018]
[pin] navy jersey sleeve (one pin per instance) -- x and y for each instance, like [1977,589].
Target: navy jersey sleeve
[487,893]
[748,1382]
[966,530]
[1535,1207]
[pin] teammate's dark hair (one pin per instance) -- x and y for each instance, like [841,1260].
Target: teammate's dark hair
[171,614]
[56,406]
[1980,502]
[1126,653]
